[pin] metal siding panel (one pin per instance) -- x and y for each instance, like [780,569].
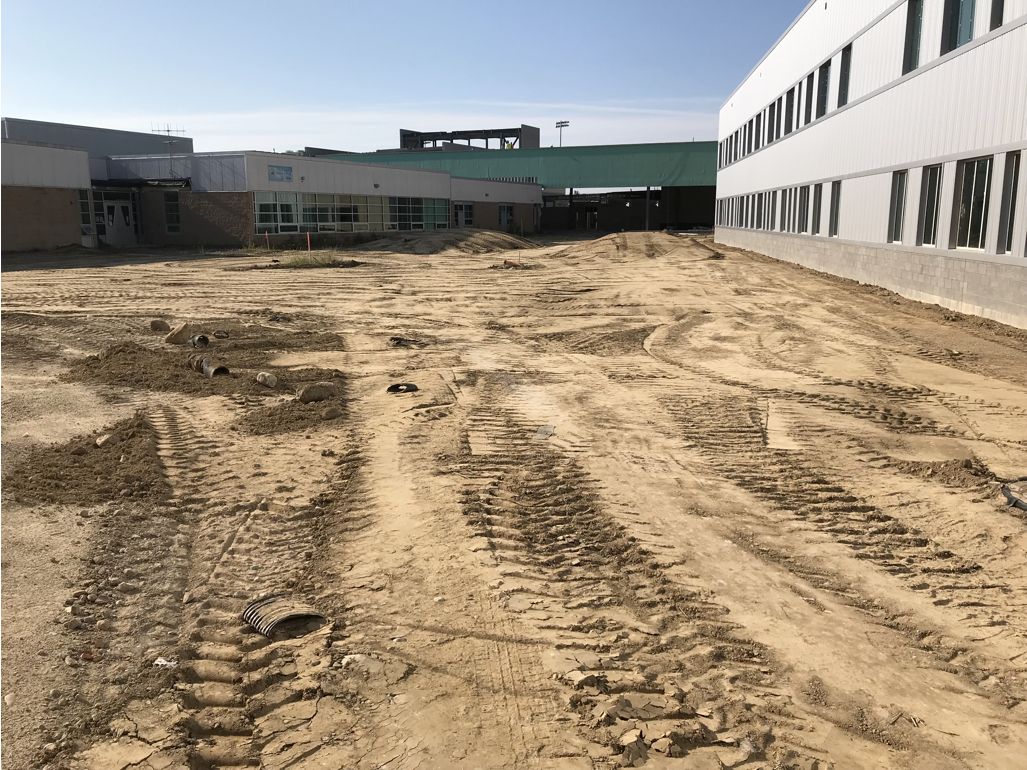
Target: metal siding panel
[675,163]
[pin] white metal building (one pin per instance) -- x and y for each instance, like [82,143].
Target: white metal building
[882,141]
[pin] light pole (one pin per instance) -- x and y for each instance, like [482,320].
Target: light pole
[562,124]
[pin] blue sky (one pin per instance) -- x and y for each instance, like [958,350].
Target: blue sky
[347,75]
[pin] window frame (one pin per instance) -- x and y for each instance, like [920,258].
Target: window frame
[1010,190]
[844,73]
[823,89]
[930,206]
[966,212]
[171,198]
[957,24]
[836,206]
[998,12]
[897,205]
[913,38]
[809,98]
[818,202]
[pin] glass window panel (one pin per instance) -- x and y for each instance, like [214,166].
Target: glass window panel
[309,198]
[343,199]
[322,198]
[263,197]
[288,197]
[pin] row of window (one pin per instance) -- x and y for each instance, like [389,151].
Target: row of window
[760,211]
[311,213]
[971,202]
[802,104]
[795,108]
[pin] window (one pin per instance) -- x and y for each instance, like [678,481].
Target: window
[296,213]
[836,204]
[804,209]
[777,125]
[771,115]
[914,23]
[973,183]
[784,210]
[749,143]
[809,98]
[823,88]
[897,206]
[957,24]
[1008,212]
[172,222]
[843,76]
[998,9]
[759,135]
[789,110]
[773,210]
[818,199]
[83,209]
[930,197]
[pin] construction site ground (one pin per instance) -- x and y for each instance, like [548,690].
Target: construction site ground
[655,502]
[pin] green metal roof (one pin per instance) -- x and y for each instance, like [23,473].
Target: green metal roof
[683,164]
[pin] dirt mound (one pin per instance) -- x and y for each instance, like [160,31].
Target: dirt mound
[602,342]
[294,416]
[304,263]
[247,348]
[967,473]
[79,472]
[467,240]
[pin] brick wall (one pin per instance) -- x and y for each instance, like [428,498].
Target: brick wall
[207,219]
[39,218]
[992,289]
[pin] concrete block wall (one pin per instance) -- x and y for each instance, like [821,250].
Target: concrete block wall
[990,288]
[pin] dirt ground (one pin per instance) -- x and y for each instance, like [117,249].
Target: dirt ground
[655,502]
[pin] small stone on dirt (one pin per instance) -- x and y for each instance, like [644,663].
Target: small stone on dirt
[105,439]
[319,391]
[179,335]
[267,380]
[331,413]
[159,325]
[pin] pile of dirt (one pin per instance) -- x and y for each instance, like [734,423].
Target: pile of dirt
[304,264]
[968,473]
[118,463]
[247,348]
[467,240]
[295,416]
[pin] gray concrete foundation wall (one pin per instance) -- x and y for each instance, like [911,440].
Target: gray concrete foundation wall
[991,289]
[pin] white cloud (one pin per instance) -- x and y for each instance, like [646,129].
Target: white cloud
[374,128]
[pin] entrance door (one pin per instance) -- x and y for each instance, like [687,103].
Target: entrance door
[120,225]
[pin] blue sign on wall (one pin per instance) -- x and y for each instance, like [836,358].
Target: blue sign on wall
[279,173]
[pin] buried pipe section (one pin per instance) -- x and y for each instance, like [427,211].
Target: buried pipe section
[206,368]
[281,613]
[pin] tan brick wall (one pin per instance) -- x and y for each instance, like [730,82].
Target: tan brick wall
[208,219]
[39,218]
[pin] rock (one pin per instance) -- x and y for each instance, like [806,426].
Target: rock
[159,325]
[70,661]
[74,624]
[9,699]
[319,391]
[130,573]
[331,413]
[267,379]
[106,439]
[179,335]
[662,745]
[79,450]
[104,625]
[128,588]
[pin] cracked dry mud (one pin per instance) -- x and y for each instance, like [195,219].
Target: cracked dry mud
[766,529]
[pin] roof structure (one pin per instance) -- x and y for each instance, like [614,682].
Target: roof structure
[671,164]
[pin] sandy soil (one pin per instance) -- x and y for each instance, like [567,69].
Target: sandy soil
[655,502]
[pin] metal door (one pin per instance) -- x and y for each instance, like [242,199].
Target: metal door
[120,223]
